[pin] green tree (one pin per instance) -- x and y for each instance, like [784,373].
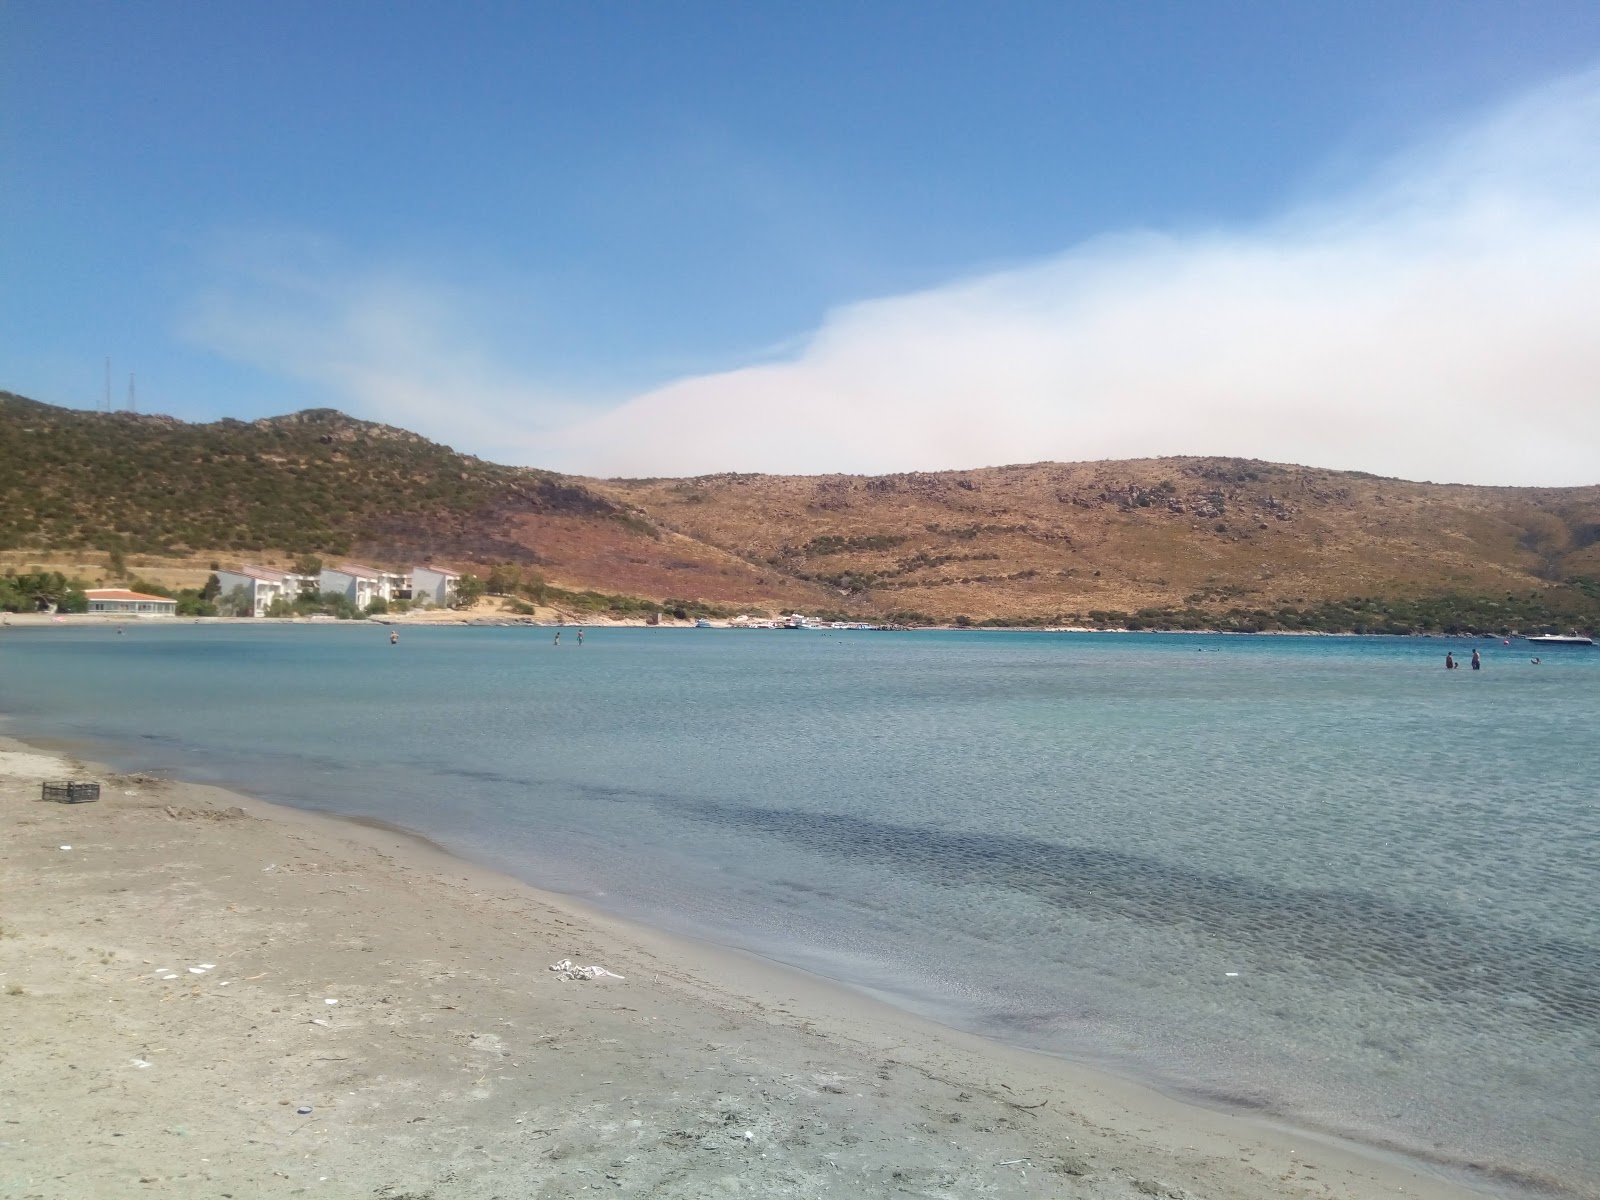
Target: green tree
[505,579]
[236,603]
[192,604]
[469,590]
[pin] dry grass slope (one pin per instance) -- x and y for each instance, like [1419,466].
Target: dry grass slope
[1083,537]
[1035,542]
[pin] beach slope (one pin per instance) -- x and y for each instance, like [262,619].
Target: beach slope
[208,996]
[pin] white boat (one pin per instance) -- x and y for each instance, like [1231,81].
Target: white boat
[1560,639]
[702,623]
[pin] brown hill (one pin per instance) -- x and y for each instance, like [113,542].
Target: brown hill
[1076,538]
[1044,542]
[319,482]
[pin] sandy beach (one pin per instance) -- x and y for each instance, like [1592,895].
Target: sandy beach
[205,995]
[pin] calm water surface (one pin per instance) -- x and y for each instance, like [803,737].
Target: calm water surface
[1319,876]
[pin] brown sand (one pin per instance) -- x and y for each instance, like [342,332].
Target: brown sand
[456,1064]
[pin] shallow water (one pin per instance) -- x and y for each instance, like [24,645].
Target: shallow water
[1320,876]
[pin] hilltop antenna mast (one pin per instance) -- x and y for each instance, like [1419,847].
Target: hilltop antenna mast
[108,383]
[133,398]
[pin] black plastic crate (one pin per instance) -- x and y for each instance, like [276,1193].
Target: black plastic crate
[71,793]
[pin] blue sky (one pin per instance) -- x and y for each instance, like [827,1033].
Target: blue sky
[567,234]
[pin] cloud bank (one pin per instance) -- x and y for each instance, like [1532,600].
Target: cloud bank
[1440,321]
[382,345]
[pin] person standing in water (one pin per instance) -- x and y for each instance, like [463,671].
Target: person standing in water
[580,637]
[557,642]
[1449,661]
[394,638]
[1477,665]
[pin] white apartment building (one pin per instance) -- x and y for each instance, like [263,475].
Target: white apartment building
[262,585]
[429,585]
[360,585]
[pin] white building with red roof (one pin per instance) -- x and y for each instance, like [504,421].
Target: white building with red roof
[123,603]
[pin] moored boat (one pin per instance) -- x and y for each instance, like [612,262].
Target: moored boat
[1560,639]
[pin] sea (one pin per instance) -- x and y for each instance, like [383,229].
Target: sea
[1319,879]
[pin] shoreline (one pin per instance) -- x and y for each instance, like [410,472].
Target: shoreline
[1104,1134]
[467,619]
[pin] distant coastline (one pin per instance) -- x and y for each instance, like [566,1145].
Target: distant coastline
[469,619]
[1189,542]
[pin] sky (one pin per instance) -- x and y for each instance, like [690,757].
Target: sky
[682,238]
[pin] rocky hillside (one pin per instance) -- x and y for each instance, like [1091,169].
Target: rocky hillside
[1078,538]
[1183,541]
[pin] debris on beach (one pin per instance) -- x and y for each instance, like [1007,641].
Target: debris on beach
[566,970]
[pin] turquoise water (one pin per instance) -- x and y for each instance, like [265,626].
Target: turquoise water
[1067,841]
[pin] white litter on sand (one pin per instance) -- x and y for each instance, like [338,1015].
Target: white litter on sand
[330,1002]
[66,847]
[566,970]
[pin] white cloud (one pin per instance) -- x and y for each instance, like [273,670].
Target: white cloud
[1439,322]
[1442,322]
[381,345]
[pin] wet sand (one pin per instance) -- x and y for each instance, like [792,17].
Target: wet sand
[165,985]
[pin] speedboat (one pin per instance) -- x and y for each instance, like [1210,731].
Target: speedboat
[1560,639]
